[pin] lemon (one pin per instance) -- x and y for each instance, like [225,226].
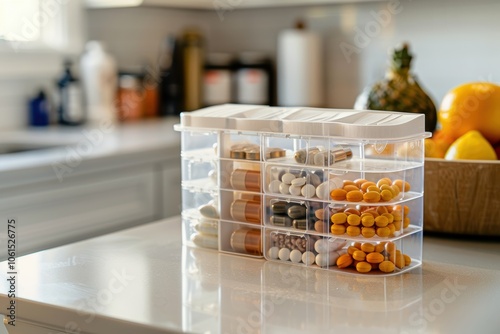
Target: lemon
[471,146]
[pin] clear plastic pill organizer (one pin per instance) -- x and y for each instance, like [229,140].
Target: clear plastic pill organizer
[333,189]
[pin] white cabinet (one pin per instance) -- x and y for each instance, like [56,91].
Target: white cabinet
[131,179]
[51,213]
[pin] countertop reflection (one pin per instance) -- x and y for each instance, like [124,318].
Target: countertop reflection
[142,280]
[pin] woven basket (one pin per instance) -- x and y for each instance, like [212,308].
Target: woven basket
[462,197]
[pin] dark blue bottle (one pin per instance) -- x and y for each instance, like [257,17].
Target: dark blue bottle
[39,110]
[70,109]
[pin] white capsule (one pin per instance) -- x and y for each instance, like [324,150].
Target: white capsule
[308,258]
[295,256]
[329,245]
[205,240]
[209,211]
[284,254]
[327,259]
[207,226]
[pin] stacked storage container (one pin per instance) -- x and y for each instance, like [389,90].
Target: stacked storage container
[333,189]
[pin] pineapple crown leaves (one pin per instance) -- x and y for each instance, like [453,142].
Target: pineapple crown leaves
[401,58]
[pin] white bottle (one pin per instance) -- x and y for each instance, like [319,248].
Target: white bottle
[99,81]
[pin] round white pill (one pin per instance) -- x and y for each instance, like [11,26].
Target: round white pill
[284,254]
[295,190]
[295,256]
[321,159]
[288,178]
[308,191]
[308,258]
[274,186]
[273,252]
[298,182]
[284,188]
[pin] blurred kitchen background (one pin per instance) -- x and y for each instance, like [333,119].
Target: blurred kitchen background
[453,41]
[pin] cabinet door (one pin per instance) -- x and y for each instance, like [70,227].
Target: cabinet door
[170,204]
[53,213]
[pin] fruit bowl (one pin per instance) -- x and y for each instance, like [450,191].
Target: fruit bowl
[462,197]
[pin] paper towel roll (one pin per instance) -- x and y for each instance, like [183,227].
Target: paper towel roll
[300,79]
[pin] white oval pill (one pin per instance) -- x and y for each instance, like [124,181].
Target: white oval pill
[308,191]
[273,252]
[284,254]
[308,258]
[295,256]
[295,190]
[298,182]
[288,178]
[284,188]
[314,179]
[274,186]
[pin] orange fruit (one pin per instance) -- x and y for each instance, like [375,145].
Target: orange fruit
[432,149]
[472,106]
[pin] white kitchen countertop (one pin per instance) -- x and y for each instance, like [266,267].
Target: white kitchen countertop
[87,147]
[142,280]
[120,139]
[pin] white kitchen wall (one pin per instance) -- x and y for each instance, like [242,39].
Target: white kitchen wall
[453,41]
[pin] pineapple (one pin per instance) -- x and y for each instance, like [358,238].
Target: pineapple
[399,91]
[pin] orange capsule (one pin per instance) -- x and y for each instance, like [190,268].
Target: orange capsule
[367,247]
[354,196]
[364,186]
[350,187]
[371,197]
[384,180]
[368,232]
[363,267]
[344,261]
[374,257]
[338,194]
[359,182]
